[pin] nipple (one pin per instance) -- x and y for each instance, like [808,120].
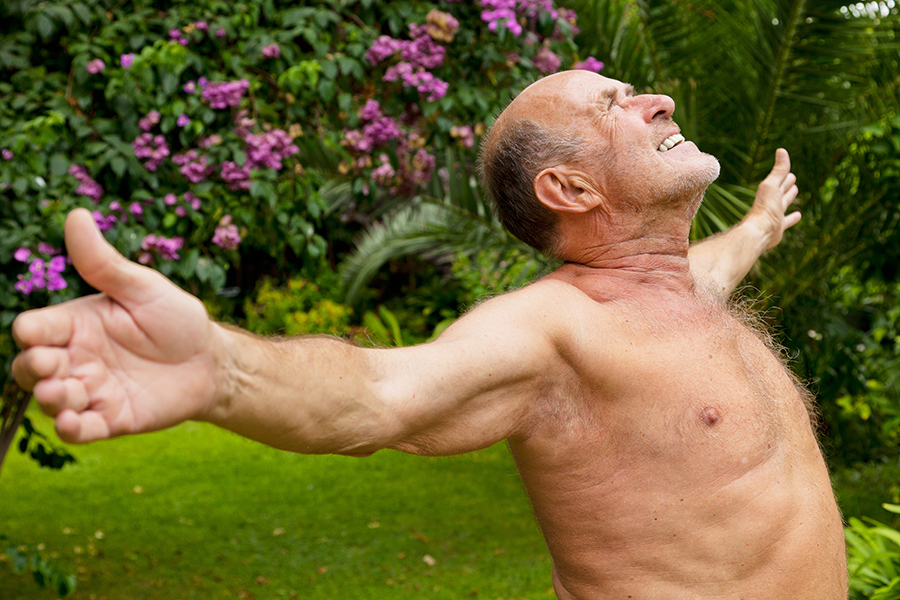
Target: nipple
[710,416]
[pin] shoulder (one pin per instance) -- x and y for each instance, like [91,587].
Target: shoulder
[550,316]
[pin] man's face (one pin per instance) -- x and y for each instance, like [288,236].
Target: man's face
[634,148]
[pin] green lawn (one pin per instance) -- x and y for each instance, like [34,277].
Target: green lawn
[195,512]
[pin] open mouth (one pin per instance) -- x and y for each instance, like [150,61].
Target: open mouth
[670,142]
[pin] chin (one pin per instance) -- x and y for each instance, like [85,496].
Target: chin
[697,176]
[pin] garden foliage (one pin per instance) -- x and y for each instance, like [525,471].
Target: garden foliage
[220,142]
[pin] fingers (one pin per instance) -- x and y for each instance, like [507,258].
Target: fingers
[789,196]
[36,364]
[51,326]
[791,220]
[102,266]
[782,162]
[78,428]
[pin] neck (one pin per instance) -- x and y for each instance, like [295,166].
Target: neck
[650,254]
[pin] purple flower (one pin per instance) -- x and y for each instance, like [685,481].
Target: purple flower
[57,264]
[371,111]
[22,254]
[151,119]
[464,134]
[174,33]
[7,154]
[170,199]
[166,248]
[589,64]
[24,286]
[193,200]
[222,94]
[383,173]
[227,235]
[88,186]
[104,223]
[237,178]
[190,87]
[504,16]
[136,209]
[267,150]
[271,51]
[55,283]
[194,168]
[126,60]
[201,25]
[220,32]
[183,120]
[213,140]
[37,267]
[382,48]
[45,248]
[180,211]
[546,61]
[153,148]
[95,66]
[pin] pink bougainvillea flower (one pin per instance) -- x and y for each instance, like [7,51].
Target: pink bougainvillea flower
[201,25]
[183,120]
[220,32]
[95,66]
[24,286]
[271,51]
[46,248]
[7,154]
[126,60]
[22,254]
[589,64]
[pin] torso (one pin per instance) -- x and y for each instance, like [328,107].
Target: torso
[678,460]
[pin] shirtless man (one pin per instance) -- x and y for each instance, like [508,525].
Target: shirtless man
[667,452]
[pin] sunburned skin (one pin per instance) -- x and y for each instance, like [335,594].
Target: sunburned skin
[681,466]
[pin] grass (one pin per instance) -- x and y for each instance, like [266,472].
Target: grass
[196,512]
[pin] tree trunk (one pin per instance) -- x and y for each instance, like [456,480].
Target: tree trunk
[12,412]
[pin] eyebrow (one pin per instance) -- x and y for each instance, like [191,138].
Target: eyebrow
[610,94]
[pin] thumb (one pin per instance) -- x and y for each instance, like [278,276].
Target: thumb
[101,265]
[782,162]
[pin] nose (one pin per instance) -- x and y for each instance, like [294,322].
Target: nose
[653,106]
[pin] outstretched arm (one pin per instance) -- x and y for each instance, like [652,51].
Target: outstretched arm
[144,355]
[723,260]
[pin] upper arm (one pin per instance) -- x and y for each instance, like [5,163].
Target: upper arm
[477,384]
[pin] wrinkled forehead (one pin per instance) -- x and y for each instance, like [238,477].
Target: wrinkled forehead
[560,99]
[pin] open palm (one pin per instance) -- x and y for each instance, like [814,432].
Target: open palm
[138,357]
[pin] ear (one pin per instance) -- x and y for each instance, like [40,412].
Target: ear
[564,189]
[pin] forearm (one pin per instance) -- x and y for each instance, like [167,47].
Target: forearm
[723,260]
[313,395]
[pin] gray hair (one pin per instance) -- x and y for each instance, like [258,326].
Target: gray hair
[510,160]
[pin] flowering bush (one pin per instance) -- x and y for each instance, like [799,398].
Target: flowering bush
[201,136]
[223,142]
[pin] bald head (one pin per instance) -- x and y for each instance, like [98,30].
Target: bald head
[541,127]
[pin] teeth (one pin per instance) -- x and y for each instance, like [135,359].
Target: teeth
[671,142]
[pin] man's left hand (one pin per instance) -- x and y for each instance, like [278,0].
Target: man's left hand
[775,193]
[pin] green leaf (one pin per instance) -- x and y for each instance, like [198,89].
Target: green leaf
[118,165]
[59,165]
[44,26]
[169,83]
